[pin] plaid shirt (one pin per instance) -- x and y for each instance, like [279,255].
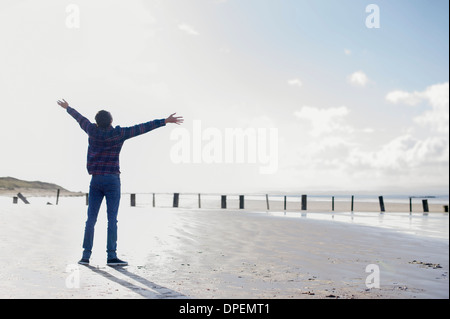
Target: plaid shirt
[105,144]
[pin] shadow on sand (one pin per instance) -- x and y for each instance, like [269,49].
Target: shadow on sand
[151,289]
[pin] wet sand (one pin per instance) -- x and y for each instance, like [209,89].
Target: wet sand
[181,253]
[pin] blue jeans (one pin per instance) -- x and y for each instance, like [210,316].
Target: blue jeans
[107,186]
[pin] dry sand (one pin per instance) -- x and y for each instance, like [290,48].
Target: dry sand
[182,253]
[33,192]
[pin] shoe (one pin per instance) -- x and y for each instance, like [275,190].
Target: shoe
[116,262]
[84,261]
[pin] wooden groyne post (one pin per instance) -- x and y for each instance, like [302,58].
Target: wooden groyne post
[353,203]
[176,199]
[23,198]
[304,202]
[57,196]
[382,208]
[241,202]
[133,200]
[426,208]
[224,202]
[267,201]
[332,203]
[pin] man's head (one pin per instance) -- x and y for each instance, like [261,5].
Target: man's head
[103,119]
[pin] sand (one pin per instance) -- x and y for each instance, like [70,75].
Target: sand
[189,253]
[33,192]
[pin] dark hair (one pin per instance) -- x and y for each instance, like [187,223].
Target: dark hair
[103,119]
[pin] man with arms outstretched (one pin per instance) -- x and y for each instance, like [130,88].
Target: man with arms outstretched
[105,144]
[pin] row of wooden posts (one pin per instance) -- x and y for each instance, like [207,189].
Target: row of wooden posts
[223,201]
[304,202]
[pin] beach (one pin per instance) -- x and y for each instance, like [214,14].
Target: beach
[214,254]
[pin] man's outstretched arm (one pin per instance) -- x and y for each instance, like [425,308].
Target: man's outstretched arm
[133,131]
[84,122]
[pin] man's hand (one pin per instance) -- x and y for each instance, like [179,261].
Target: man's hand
[174,119]
[63,104]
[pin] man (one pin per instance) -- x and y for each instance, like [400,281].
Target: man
[105,144]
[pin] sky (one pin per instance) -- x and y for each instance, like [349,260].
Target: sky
[332,96]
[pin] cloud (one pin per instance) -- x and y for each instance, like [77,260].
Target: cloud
[438,117]
[295,82]
[436,96]
[403,153]
[404,97]
[347,52]
[418,157]
[188,29]
[424,152]
[358,78]
[324,121]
